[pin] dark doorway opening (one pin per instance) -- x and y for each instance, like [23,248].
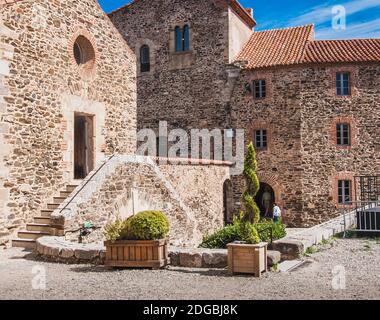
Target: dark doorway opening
[265,200]
[228,198]
[83,145]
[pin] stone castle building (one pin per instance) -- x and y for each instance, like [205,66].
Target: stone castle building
[310,107]
[68,127]
[76,85]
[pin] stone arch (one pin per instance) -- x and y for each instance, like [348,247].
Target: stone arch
[272,181]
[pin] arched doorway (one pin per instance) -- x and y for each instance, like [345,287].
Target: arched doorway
[228,198]
[265,199]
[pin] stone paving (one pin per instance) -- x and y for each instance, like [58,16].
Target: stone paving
[360,259]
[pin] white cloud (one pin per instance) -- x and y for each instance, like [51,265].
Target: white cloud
[368,29]
[323,13]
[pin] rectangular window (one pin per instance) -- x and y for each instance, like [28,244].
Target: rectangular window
[343,84]
[259,89]
[261,139]
[344,191]
[343,134]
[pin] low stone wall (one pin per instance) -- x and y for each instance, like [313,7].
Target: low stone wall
[57,249]
[126,185]
[295,245]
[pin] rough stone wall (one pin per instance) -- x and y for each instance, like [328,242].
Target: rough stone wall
[45,87]
[302,162]
[323,163]
[280,114]
[189,97]
[6,56]
[201,188]
[128,184]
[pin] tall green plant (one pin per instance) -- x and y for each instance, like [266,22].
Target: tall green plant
[251,210]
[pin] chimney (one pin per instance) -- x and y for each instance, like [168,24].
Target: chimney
[249,11]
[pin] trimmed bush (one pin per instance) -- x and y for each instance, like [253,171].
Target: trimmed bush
[252,211]
[148,225]
[117,230]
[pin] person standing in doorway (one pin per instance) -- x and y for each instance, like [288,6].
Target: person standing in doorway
[276,213]
[267,202]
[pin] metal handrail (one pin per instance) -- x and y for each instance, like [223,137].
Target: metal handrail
[87,182]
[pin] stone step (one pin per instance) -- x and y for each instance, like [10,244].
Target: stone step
[53,206]
[24,243]
[65,194]
[32,234]
[38,227]
[42,220]
[59,200]
[46,212]
[71,187]
[290,265]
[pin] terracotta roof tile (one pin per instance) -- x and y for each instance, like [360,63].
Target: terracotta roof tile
[358,50]
[276,47]
[297,45]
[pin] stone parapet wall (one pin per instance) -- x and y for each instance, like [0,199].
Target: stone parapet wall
[59,250]
[126,185]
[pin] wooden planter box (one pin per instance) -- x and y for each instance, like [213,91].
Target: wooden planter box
[137,254]
[247,258]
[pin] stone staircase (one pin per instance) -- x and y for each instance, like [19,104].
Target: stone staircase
[42,224]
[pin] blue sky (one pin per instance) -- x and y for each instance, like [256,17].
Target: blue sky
[362,16]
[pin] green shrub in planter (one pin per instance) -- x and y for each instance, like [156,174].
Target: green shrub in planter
[148,225]
[117,230]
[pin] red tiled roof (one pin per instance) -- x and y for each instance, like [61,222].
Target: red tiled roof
[297,45]
[276,47]
[358,50]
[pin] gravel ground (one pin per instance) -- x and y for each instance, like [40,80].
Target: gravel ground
[361,259]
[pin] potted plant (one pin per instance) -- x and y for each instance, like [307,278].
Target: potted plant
[250,255]
[138,242]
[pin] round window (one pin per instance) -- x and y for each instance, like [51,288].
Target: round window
[84,53]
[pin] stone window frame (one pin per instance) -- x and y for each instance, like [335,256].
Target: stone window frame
[261,125]
[268,87]
[349,176]
[172,38]
[353,132]
[85,73]
[353,72]
[152,48]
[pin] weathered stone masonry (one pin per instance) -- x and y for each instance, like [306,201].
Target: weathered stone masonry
[191,195]
[302,156]
[42,87]
[191,89]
